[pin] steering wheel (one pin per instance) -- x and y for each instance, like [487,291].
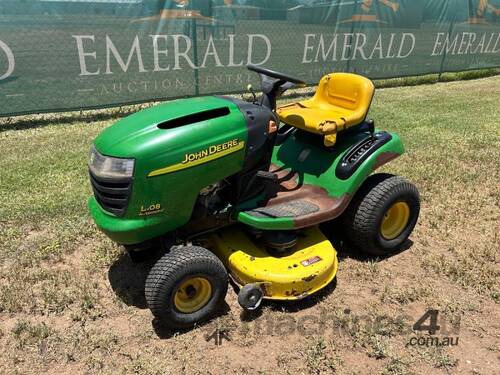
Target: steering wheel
[274,74]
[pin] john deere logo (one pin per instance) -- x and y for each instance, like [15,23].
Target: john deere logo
[195,158]
[211,151]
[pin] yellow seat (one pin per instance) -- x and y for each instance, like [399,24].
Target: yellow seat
[341,100]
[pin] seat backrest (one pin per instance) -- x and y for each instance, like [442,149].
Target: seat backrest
[346,90]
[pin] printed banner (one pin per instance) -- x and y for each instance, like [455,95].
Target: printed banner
[76,54]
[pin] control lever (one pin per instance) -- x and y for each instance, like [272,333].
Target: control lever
[371,129]
[250,88]
[267,175]
[260,174]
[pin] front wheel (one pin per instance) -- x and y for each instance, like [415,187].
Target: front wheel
[382,214]
[186,286]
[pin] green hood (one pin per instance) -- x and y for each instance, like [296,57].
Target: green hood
[137,134]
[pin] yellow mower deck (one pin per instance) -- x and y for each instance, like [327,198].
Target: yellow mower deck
[310,266]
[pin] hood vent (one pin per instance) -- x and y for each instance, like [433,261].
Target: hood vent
[194,118]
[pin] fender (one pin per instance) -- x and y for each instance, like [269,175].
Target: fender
[357,154]
[332,175]
[341,169]
[362,158]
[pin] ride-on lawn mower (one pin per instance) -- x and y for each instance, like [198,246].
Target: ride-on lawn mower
[225,190]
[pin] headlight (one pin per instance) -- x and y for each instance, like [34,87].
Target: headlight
[109,167]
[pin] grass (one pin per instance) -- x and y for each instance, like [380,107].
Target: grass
[71,302]
[433,78]
[321,357]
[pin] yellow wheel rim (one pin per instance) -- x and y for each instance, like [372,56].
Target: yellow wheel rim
[395,220]
[192,294]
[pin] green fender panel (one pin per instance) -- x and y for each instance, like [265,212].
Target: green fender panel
[315,165]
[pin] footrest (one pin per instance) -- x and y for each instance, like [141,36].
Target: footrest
[291,204]
[288,209]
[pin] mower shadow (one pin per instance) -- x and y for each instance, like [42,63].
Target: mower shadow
[290,306]
[164,332]
[346,249]
[127,279]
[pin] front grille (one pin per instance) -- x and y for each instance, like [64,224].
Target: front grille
[111,193]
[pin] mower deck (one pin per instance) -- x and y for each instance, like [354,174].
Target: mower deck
[309,266]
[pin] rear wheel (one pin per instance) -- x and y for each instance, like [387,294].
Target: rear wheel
[186,286]
[382,214]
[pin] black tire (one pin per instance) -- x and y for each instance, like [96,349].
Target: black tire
[363,217]
[175,269]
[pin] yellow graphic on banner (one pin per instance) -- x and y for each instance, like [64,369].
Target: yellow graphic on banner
[366,6]
[482,6]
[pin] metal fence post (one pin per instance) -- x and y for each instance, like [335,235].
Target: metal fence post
[450,29]
[194,33]
[356,7]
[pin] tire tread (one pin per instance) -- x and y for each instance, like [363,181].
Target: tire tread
[363,212]
[166,269]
